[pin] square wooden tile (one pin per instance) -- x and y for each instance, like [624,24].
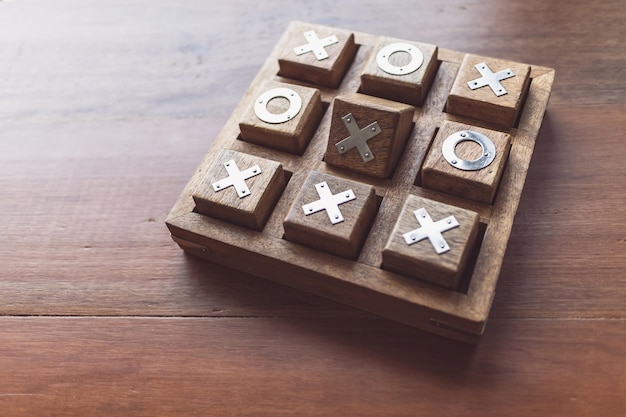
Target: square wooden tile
[240,188]
[400,70]
[368,134]
[490,90]
[282,116]
[431,241]
[331,214]
[459,170]
[317,54]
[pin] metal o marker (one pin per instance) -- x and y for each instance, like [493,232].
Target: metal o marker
[295,105]
[382,58]
[448,149]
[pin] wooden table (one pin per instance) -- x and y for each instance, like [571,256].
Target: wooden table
[105,112]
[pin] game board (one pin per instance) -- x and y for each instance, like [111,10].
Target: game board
[381,173]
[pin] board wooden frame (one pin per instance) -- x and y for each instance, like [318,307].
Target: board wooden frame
[460,315]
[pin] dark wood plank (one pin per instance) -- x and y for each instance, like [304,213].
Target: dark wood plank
[310,367]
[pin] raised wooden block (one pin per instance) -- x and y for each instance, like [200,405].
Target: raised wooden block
[400,70]
[282,116]
[240,188]
[331,214]
[317,54]
[489,89]
[431,241]
[367,134]
[462,163]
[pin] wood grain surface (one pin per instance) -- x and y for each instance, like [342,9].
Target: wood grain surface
[107,109]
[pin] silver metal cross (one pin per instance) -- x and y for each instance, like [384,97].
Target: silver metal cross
[431,230]
[316,45]
[358,138]
[329,202]
[491,79]
[236,178]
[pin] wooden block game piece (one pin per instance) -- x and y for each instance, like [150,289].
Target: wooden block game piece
[490,90]
[431,241]
[240,188]
[400,70]
[331,214]
[367,134]
[466,161]
[317,54]
[282,116]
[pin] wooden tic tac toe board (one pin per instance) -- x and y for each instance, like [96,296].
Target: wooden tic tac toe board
[381,173]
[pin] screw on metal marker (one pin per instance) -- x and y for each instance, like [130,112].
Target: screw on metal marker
[295,105]
[382,59]
[488,152]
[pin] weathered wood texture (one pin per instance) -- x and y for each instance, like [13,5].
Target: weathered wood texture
[105,112]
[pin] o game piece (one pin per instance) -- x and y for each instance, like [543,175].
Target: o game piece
[383,58]
[262,102]
[400,70]
[487,154]
[466,161]
[282,116]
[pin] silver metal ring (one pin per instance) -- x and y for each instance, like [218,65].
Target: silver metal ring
[295,105]
[448,150]
[382,59]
